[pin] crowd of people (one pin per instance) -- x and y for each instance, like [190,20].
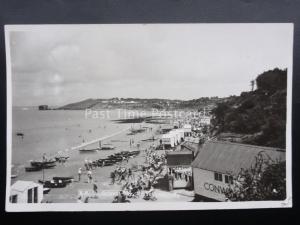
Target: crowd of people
[142,180]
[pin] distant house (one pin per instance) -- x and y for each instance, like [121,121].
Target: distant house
[205,120]
[178,134]
[43,107]
[168,141]
[218,161]
[187,130]
[26,192]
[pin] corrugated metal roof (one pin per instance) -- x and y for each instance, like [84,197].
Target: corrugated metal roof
[194,147]
[179,153]
[179,158]
[230,158]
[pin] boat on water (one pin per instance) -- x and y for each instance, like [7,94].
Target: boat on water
[40,163]
[13,176]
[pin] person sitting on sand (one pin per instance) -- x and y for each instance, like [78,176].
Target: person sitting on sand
[123,197]
[120,198]
[150,194]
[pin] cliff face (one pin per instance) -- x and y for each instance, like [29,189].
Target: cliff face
[259,115]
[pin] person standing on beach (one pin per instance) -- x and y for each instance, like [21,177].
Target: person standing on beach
[89,174]
[79,174]
[95,188]
[86,164]
[130,174]
[113,176]
[90,163]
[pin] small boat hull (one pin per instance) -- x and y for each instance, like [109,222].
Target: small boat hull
[46,190]
[63,179]
[13,176]
[88,150]
[32,169]
[53,184]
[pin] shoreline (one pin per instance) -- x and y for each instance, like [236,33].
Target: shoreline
[98,139]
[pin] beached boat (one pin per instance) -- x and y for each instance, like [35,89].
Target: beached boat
[53,183]
[42,163]
[64,179]
[39,166]
[106,163]
[88,150]
[20,134]
[32,169]
[107,147]
[46,190]
[48,166]
[61,158]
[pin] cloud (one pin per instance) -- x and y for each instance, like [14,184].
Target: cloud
[182,61]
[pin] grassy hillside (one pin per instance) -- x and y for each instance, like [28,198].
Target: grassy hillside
[136,103]
[257,117]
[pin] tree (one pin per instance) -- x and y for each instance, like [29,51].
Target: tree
[266,180]
[252,85]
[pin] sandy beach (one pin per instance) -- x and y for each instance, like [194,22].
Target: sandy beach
[120,139]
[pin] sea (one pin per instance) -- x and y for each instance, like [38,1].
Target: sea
[58,132]
[54,131]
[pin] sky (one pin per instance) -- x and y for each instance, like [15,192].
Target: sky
[57,65]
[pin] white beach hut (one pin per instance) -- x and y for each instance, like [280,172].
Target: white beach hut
[181,134]
[168,140]
[176,135]
[26,192]
[187,130]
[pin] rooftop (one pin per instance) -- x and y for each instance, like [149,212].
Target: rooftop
[230,158]
[22,185]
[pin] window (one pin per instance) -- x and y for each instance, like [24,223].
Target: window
[218,176]
[35,195]
[228,179]
[14,198]
[29,196]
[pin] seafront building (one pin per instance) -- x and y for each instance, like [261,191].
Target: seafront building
[179,169]
[218,162]
[26,192]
